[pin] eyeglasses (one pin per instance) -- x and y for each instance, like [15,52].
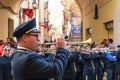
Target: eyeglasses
[35,35]
[7,49]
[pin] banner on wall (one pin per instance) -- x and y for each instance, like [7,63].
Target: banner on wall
[76,25]
[28,12]
[76,20]
[76,30]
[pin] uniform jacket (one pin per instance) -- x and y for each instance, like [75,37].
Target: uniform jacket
[98,64]
[69,73]
[88,66]
[28,65]
[117,67]
[107,63]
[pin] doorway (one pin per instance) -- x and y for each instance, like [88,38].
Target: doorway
[10,27]
[109,29]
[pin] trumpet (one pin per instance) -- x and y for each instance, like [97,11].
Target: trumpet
[89,41]
[69,45]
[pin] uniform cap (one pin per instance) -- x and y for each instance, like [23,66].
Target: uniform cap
[26,27]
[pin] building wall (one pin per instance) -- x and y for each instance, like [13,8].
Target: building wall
[107,12]
[117,22]
[4,15]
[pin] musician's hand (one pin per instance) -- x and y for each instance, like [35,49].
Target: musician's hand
[39,50]
[52,47]
[77,48]
[60,43]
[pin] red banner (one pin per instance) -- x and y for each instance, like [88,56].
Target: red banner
[49,28]
[28,12]
[44,25]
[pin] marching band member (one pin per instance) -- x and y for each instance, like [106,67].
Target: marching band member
[117,67]
[27,64]
[97,62]
[88,65]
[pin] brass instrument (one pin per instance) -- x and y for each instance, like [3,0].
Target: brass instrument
[70,44]
[89,41]
[47,44]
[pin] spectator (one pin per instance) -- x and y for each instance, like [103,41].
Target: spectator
[6,51]
[1,47]
[110,42]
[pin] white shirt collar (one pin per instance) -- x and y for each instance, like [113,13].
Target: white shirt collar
[19,47]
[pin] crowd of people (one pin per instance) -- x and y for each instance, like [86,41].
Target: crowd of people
[7,49]
[26,60]
[98,62]
[9,42]
[94,62]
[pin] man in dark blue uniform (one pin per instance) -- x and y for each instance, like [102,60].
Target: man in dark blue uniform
[27,64]
[70,73]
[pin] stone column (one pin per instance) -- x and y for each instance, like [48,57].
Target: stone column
[41,6]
